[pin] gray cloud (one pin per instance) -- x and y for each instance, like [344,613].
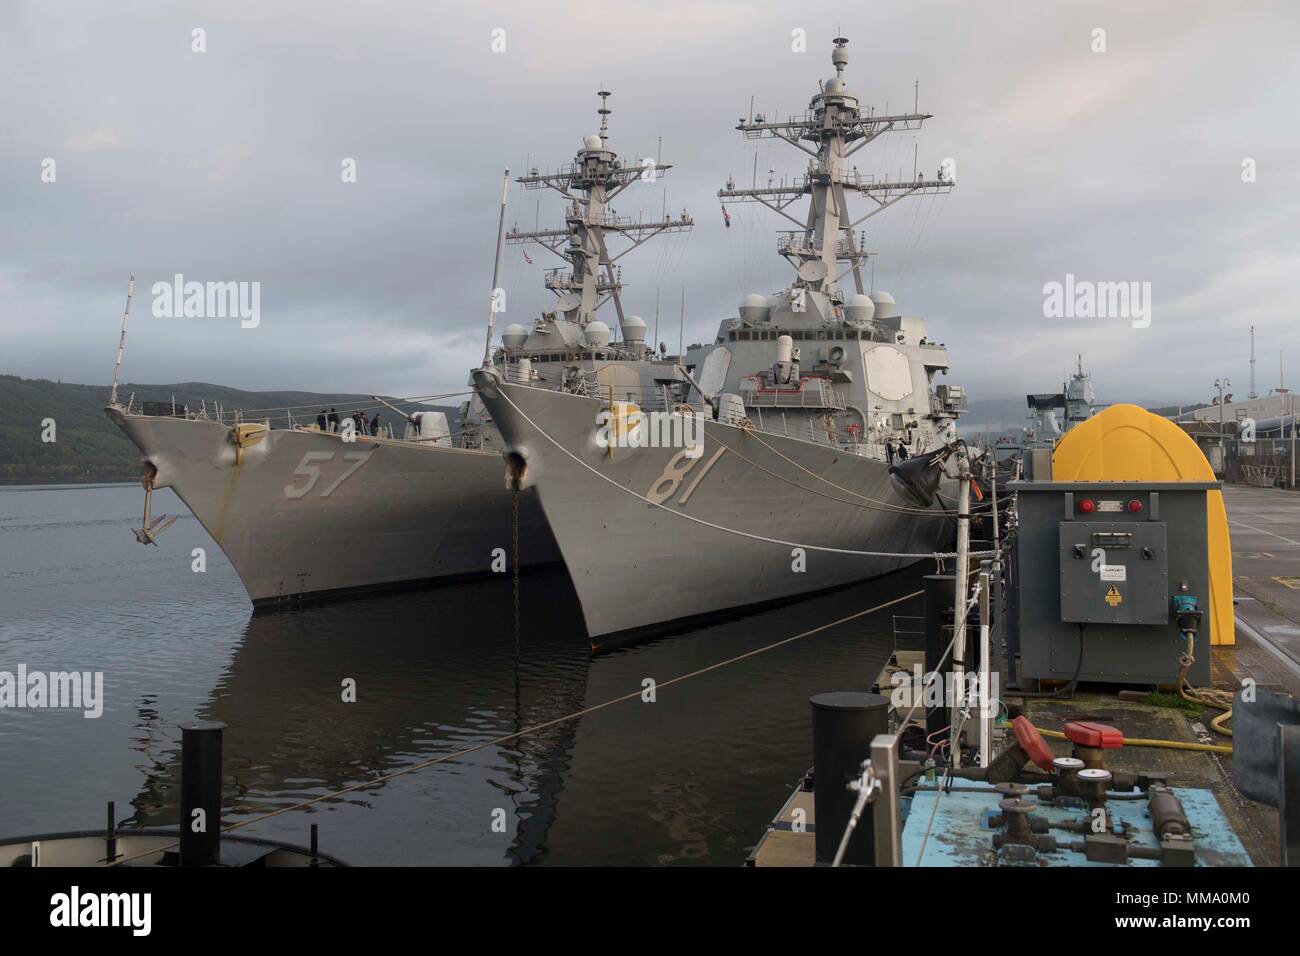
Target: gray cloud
[1123,165]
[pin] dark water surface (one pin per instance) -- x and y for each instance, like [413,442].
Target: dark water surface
[689,779]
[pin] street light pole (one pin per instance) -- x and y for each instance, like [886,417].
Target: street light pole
[1221,384]
[1292,441]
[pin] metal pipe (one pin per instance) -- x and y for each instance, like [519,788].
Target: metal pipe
[889,837]
[959,604]
[985,698]
[996,663]
[1288,782]
[110,834]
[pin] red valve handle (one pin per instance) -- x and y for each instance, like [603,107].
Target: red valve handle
[1089,733]
[1032,743]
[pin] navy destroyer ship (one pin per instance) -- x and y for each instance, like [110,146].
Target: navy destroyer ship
[306,513]
[803,402]
[1028,454]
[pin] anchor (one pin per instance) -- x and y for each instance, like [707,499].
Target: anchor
[150,530]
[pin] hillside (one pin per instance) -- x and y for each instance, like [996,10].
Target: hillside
[90,448]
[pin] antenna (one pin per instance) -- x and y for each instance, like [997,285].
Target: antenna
[604,112]
[656,315]
[830,226]
[1253,393]
[681,326]
[496,269]
[589,185]
[121,343]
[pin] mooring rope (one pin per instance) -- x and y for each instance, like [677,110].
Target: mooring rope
[821,494]
[723,528]
[887,505]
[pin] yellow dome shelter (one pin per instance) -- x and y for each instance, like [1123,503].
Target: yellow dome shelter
[1128,443]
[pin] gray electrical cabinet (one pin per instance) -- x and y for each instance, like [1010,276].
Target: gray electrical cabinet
[1094,572]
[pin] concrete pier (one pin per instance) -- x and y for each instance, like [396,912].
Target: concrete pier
[1265,529]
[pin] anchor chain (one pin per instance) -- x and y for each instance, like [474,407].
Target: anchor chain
[514,557]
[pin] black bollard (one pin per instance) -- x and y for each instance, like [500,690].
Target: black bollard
[844,724]
[201,790]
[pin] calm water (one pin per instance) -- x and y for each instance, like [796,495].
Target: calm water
[689,779]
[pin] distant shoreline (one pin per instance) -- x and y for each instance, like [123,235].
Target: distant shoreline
[88,480]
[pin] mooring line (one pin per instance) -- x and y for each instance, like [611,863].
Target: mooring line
[535,728]
[891,509]
[718,527]
[887,506]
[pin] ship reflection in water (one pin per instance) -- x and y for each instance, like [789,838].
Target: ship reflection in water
[689,778]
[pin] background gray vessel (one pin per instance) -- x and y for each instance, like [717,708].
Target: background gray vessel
[308,513]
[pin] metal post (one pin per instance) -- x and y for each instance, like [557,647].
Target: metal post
[959,605]
[200,843]
[496,269]
[1000,638]
[1293,441]
[985,697]
[889,837]
[110,834]
[1288,791]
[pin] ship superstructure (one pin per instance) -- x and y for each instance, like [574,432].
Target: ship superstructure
[569,346]
[822,359]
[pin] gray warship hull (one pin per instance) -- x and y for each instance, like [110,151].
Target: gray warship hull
[634,565]
[304,516]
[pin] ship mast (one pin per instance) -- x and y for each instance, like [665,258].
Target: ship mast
[836,127]
[590,183]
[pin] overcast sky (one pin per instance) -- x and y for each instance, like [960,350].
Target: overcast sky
[225,165]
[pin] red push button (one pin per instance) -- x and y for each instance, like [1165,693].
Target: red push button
[1032,743]
[1087,733]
